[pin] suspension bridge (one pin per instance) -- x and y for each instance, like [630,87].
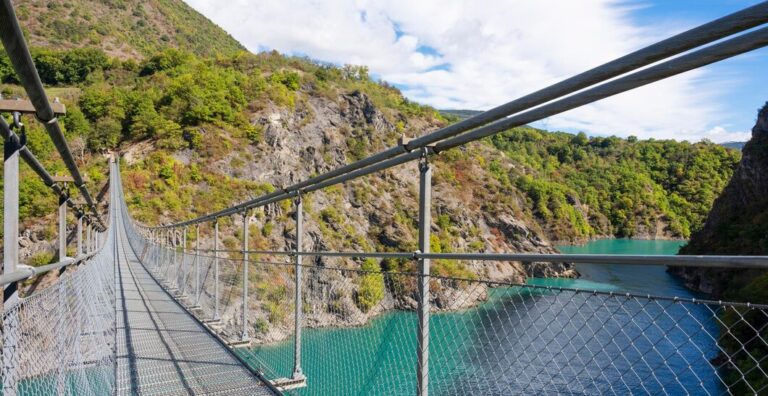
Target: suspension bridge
[138,311]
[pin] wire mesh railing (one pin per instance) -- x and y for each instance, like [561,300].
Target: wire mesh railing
[60,340]
[486,337]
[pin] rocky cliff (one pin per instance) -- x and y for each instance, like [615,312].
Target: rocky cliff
[738,222]
[472,211]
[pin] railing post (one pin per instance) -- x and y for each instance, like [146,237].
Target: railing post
[163,256]
[175,242]
[184,261]
[79,235]
[244,336]
[10,249]
[297,373]
[197,264]
[88,240]
[63,226]
[425,221]
[11,212]
[216,269]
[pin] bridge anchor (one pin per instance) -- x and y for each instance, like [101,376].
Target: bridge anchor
[284,384]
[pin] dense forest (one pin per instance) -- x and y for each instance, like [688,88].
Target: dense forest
[607,186]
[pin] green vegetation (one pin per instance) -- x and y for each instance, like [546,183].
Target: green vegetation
[177,101]
[125,28]
[582,187]
[371,290]
[41,258]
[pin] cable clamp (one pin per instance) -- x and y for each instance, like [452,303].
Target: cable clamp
[53,120]
[297,200]
[424,159]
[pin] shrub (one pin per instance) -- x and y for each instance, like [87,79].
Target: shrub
[166,60]
[41,258]
[371,290]
[289,79]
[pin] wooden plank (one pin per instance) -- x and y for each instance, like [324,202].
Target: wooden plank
[26,107]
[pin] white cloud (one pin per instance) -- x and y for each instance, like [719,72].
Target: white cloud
[494,51]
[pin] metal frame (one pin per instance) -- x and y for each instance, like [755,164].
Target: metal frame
[297,372]
[425,222]
[244,336]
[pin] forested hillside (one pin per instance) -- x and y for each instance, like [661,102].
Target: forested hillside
[217,131]
[122,28]
[220,130]
[582,187]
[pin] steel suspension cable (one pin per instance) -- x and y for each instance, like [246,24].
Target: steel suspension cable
[21,59]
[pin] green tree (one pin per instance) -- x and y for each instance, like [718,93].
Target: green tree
[371,290]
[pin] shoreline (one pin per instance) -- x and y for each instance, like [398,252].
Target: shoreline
[582,242]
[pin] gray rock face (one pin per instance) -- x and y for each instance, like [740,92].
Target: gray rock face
[738,222]
[378,210]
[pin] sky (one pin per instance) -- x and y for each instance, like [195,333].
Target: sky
[470,54]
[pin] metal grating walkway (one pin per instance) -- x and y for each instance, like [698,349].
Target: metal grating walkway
[161,350]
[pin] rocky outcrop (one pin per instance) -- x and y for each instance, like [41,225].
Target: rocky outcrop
[375,212]
[738,222]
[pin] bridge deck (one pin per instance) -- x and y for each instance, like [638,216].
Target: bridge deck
[160,348]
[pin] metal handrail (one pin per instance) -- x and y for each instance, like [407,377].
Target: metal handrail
[408,151]
[37,167]
[24,272]
[720,261]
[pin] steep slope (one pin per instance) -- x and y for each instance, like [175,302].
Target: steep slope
[737,224]
[122,28]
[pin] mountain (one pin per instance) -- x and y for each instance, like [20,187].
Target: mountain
[221,130]
[459,114]
[737,224]
[122,28]
[580,188]
[734,145]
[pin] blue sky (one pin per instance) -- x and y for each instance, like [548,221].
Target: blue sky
[477,55]
[745,77]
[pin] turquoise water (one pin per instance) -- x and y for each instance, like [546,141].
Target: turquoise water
[525,340]
[629,278]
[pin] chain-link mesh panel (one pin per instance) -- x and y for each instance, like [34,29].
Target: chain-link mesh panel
[60,340]
[358,329]
[534,340]
[359,333]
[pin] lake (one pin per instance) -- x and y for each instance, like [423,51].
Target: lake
[526,339]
